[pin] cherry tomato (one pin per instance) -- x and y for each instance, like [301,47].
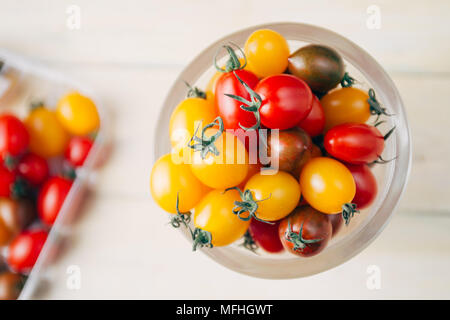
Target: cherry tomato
[10,285]
[230,109]
[253,168]
[78,150]
[286,100]
[321,67]
[345,105]
[327,185]
[25,249]
[305,232]
[267,53]
[78,114]
[14,136]
[336,221]
[290,151]
[226,169]
[186,116]
[168,180]
[51,198]
[48,138]
[266,235]
[366,185]
[276,193]
[314,122]
[14,216]
[33,168]
[214,213]
[8,180]
[354,143]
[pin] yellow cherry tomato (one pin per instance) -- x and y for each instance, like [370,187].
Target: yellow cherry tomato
[327,185]
[227,169]
[186,116]
[169,179]
[345,105]
[48,138]
[78,114]
[277,194]
[267,53]
[215,214]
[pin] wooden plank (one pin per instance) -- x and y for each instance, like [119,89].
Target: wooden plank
[411,37]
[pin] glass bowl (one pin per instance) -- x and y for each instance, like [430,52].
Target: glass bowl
[391,177]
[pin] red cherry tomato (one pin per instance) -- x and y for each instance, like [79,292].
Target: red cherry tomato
[77,150]
[286,100]
[354,143]
[266,235]
[7,181]
[14,136]
[305,232]
[336,221]
[51,198]
[314,122]
[230,109]
[33,168]
[366,185]
[25,249]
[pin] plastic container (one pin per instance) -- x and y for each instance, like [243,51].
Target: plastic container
[38,83]
[391,177]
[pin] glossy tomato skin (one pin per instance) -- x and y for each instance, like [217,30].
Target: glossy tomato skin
[214,213]
[78,150]
[290,151]
[228,108]
[354,143]
[286,100]
[14,136]
[266,235]
[7,181]
[345,105]
[10,285]
[366,185]
[327,184]
[25,249]
[336,221]
[316,226]
[51,198]
[33,168]
[314,123]
[321,67]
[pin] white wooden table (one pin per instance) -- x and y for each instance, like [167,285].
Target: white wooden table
[131,51]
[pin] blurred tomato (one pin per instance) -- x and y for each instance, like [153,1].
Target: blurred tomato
[78,150]
[25,249]
[8,180]
[33,168]
[14,136]
[51,198]
[10,285]
[14,216]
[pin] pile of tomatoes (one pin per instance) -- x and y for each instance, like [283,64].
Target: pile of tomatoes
[39,158]
[306,150]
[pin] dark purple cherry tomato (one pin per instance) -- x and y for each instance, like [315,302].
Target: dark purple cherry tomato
[336,222]
[266,235]
[305,232]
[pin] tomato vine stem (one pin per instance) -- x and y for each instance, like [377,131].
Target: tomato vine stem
[194,92]
[347,81]
[248,205]
[206,144]
[233,63]
[348,212]
[297,238]
[249,243]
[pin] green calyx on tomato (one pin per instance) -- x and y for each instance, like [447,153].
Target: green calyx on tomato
[251,105]
[248,205]
[297,239]
[348,211]
[200,238]
[249,243]
[194,92]
[206,144]
[347,81]
[233,63]
[375,106]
